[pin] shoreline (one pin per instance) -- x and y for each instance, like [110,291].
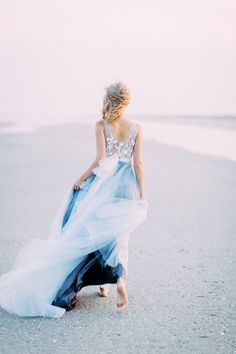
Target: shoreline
[208,140]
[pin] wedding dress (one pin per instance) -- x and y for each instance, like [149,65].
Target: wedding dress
[88,239]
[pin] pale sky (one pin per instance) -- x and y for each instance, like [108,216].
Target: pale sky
[177,57]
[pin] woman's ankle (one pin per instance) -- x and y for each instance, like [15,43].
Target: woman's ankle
[121,280]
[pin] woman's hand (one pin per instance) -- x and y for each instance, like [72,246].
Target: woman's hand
[78,183]
[142,197]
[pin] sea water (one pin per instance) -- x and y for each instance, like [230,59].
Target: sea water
[214,136]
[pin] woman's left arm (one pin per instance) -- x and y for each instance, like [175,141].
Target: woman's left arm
[101,153]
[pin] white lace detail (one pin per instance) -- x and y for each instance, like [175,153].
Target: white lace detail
[122,148]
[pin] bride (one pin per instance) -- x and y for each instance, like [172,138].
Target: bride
[88,239]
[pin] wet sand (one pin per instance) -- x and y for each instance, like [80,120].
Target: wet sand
[181,282]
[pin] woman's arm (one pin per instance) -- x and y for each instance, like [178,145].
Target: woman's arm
[101,153]
[138,160]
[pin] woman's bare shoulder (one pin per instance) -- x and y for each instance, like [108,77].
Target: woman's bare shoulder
[99,123]
[139,127]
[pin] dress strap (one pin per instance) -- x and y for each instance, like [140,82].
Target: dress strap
[107,129]
[134,129]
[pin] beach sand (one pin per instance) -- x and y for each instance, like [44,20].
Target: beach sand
[181,282]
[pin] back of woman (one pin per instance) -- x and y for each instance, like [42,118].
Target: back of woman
[120,139]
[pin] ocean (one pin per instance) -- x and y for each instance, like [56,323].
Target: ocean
[210,135]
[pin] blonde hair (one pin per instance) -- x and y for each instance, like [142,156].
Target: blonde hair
[117,97]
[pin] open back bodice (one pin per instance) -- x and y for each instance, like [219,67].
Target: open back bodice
[123,148]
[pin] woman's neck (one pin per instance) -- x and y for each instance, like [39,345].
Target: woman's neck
[122,119]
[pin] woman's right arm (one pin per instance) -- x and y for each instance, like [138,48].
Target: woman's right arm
[138,160]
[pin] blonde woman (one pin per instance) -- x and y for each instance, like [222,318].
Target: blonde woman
[88,239]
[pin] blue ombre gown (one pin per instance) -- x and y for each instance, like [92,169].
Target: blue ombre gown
[88,239]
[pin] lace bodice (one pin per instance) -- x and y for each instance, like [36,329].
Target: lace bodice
[123,148]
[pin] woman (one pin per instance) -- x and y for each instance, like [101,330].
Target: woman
[88,240]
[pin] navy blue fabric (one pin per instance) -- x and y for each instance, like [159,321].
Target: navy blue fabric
[91,271]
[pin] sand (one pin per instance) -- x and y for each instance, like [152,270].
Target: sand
[181,282]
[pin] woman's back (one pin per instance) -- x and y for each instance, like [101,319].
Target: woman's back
[120,139]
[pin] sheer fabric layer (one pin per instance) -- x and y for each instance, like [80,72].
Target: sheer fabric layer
[105,211]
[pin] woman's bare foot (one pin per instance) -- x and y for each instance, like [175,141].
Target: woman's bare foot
[103,291]
[122,297]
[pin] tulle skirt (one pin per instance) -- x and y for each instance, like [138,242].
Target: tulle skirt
[87,244]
